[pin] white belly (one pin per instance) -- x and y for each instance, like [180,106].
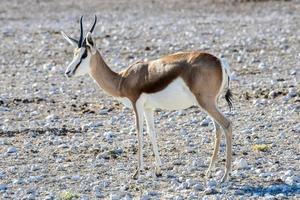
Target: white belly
[125,101]
[175,96]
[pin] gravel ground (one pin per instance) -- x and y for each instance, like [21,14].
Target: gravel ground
[64,139]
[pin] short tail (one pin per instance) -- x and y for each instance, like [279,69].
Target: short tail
[228,98]
[226,82]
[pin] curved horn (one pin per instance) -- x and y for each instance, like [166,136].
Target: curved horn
[92,29]
[81,33]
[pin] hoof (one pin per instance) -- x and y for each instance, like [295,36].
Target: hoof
[208,173]
[158,172]
[136,174]
[224,178]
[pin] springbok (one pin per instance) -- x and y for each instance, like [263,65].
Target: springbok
[176,81]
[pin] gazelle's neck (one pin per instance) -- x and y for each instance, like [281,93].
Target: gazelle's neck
[107,79]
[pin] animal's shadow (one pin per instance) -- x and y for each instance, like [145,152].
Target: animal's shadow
[274,189]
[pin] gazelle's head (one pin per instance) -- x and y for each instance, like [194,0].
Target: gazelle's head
[85,49]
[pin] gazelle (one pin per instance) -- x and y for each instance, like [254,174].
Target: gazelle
[176,81]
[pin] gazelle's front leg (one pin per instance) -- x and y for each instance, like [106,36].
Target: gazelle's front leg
[139,120]
[151,131]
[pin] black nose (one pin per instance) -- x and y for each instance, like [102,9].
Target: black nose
[68,74]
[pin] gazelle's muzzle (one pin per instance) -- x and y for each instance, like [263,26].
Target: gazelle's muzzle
[68,73]
[74,65]
[71,70]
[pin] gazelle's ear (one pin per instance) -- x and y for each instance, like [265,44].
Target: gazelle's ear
[90,43]
[72,41]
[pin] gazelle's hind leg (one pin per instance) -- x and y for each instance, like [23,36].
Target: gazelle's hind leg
[208,104]
[216,149]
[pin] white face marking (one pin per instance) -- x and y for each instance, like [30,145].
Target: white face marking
[175,96]
[79,66]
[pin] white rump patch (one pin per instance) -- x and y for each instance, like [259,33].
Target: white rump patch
[225,74]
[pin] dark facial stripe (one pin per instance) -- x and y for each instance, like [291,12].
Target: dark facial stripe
[84,55]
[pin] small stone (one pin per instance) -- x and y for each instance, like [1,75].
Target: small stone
[212,183]
[12,150]
[262,66]
[289,173]
[47,66]
[35,179]
[75,178]
[265,174]
[3,187]
[286,98]
[210,191]
[272,94]
[18,181]
[239,59]
[198,187]
[4,141]
[290,180]
[234,77]
[52,118]
[35,167]
[292,92]
[84,197]
[108,136]
[190,183]
[205,122]
[219,174]
[241,164]
[31,197]
[293,72]
[2,174]
[31,191]
[91,125]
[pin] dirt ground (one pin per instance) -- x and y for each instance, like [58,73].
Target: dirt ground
[66,139]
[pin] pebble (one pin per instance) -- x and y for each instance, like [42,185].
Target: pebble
[91,125]
[210,191]
[3,187]
[205,122]
[241,164]
[12,150]
[2,174]
[31,191]
[266,174]
[212,183]
[292,92]
[293,72]
[198,187]
[18,181]
[108,136]
[262,66]
[4,141]
[75,178]
[52,118]
[290,180]
[35,179]
[272,94]
[35,168]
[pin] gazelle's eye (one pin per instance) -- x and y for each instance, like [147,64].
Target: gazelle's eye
[84,55]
